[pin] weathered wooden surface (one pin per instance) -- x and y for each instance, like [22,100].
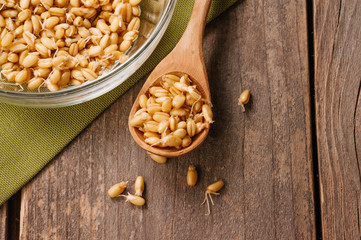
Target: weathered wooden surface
[338,115]
[264,155]
[3,221]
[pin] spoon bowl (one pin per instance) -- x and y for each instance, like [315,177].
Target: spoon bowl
[186,58]
[167,152]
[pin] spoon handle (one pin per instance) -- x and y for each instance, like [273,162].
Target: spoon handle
[192,38]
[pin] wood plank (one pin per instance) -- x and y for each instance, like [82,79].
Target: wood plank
[3,221]
[264,155]
[337,86]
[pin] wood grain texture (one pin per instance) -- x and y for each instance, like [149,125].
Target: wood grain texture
[264,155]
[337,86]
[3,221]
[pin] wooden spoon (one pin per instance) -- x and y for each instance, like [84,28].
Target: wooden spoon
[186,57]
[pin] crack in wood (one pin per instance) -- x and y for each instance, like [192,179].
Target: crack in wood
[339,14]
[354,131]
[317,194]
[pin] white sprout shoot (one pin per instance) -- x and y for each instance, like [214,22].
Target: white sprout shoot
[191,113]
[206,196]
[212,189]
[136,200]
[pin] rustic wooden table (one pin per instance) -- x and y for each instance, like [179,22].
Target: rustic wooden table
[290,163]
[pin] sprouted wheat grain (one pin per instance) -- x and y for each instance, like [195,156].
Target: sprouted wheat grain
[173,111]
[90,35]
[212,189]
[244,99]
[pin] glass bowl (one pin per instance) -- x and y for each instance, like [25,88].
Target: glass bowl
[155,17]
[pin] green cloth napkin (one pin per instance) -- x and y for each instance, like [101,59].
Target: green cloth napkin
[31,137]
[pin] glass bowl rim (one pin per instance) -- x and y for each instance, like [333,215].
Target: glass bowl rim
[166,16]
